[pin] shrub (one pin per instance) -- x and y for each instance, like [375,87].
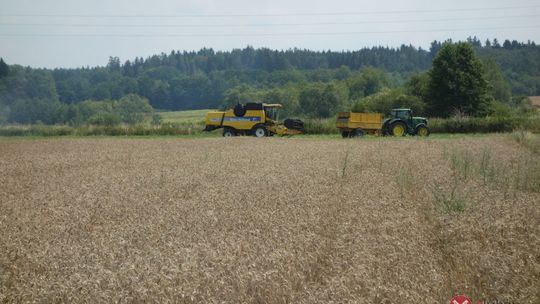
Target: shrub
[36,130]
[527,140]
[157,119]
[483,124]
[100,130]
[132,108]
[320,126]
[105,119]
[387,99]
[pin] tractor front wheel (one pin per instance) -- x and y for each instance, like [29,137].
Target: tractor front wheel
[259,131]
[345,134]
[398,129]
[422,131]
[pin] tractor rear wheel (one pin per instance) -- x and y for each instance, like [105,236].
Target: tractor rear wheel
[398,129]
[229,132]
[259,131]
[422,131]
[345,134]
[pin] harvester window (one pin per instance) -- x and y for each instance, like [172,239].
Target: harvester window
[271,113]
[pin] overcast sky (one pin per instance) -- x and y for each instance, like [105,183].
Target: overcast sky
[74,33]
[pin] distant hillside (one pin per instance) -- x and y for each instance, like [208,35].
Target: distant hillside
[196,80]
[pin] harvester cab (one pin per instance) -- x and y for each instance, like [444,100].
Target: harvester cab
[257,119]
[272,111]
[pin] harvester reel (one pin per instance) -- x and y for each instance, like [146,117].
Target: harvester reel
[294,124]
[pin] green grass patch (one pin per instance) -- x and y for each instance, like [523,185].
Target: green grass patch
[191,116]
[449,200]
[165,129]
[315,126]
[484,124]
[527,140]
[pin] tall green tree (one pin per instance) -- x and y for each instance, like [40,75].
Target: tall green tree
[498,86]
[369,81]
[387,99]
[4,69]
[240,94]
[457,82]
[133,108]
[319,100]
[4,113]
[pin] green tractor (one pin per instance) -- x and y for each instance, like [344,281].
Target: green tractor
[402,122]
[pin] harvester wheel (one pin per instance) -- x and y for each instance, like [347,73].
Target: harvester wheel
[259,131]
[422,131]
[229,132]
[357,133]
[398,129]
[345,134]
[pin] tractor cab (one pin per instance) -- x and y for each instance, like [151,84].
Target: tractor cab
[405,114]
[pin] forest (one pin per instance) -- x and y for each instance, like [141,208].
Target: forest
[308,83]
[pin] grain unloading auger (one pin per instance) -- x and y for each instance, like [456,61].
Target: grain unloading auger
[257,119]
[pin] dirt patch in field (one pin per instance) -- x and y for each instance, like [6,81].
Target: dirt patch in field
[535,101]
[268,220]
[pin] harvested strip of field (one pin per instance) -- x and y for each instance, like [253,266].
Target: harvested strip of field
[535,101]
[269,220]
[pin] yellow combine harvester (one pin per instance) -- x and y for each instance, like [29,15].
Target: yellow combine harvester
[257,119]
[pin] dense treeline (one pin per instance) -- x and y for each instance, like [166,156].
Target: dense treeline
[191,80]
[310,83]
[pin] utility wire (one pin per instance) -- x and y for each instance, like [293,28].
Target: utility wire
[268,34]
[271,15]
[269,24]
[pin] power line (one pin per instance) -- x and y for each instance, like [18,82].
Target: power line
[270,24]
[270,15]
[268,34]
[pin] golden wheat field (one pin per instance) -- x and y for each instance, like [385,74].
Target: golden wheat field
[274,220]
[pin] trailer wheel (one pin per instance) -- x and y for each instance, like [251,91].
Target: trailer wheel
[229,132]
[259,131]
[398,128]
[357,133]
[345,134]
